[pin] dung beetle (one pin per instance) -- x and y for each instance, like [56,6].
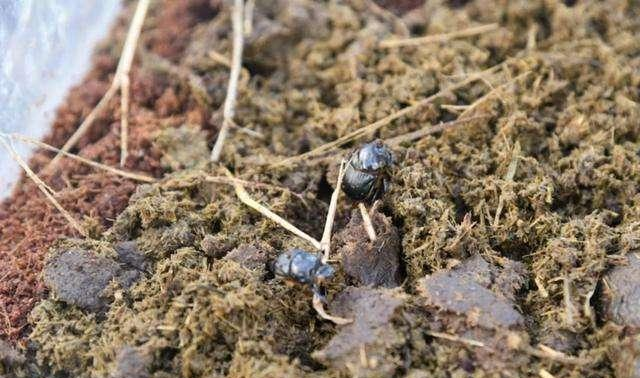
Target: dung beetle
[367,175]
[303,267]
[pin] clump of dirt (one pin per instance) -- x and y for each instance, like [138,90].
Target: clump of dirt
[253,257]
[464,292]
[369,346]
[505,280]
[370,263]
[468,308]
[621,293]
[131,363]
[129,254]
[508,225]
[80,277]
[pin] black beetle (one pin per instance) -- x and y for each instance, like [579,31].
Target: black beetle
[367,175]
[303,267]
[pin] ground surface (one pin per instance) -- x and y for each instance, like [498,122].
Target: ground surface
[507,243]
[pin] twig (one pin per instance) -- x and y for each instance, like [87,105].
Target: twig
[219,58]
[325,242]
[384,121]
[232,89]
[245,130]
[366,220]
[124,66]
[531,37]
[115,171]
[129,49]
[545,374]
[543,291]
[428,130]
[43,187]
[513,165]
[508,177]
[454,108]
[389,43]
[588,312]
[364,361]
[317,305]
[463,340]
[248,17]
[396,141]
[546,352]
[493,92]
[542,351]
[243,196]
[570,310]
[124,120]
[254,184]
[84,125]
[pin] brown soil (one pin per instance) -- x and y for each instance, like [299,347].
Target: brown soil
[514,230]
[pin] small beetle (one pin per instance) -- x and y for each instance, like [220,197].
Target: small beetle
[367,174]
[303,267]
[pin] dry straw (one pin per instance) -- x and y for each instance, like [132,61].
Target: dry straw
[120,81]
[42,186]
[228,111]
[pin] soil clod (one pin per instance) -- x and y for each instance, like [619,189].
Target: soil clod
[365,347]
[216,246]
[621,293]
[79,277]
[251,256]
[131,363]
[459,292]
[505,280]
[129,254]
[371,263]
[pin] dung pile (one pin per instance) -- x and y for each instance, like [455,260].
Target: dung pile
[512,228]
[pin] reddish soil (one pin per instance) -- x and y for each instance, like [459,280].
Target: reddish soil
[28,223]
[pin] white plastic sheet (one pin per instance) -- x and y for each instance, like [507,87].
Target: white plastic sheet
[45,48]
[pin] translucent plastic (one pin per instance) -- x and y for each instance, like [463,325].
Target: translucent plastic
[45,48]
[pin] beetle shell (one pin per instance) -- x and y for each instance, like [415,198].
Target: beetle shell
[366,177]
[303,267]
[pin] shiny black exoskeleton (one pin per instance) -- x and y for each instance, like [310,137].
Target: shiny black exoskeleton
[303,267]
[367,175]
